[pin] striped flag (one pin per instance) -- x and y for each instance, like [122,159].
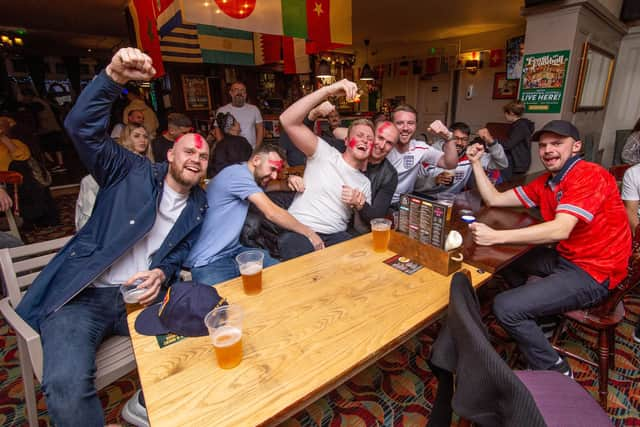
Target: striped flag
[181,44]
[296,60]
[225,46]
[329,21]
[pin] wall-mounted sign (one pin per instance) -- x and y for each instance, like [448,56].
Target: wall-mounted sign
[542,83]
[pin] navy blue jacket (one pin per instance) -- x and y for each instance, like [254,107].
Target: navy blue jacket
[125,210]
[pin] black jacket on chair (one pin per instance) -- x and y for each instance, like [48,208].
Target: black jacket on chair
[487,391]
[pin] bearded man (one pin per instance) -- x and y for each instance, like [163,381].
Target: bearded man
[212,259]
[146,218]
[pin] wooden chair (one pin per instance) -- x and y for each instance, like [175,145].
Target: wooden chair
[604,318]
[20,266]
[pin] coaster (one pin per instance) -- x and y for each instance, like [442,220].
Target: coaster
[168,339]
[403,264]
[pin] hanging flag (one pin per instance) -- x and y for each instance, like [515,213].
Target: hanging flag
[433,65]
[181,44]
[260,16]
[169,17]
[225,46]
[404,68]
[267,48]
[329,21]
[294,18]
[144,23]
[496,57]
[296,61]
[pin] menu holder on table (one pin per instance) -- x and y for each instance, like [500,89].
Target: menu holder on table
[427,255]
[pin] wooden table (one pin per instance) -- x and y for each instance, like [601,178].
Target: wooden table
[490,258]
[319,320]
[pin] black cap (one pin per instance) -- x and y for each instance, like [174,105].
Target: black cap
[182,311]
[559,127]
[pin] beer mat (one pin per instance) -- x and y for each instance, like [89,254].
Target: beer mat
[403,264]
[168,339]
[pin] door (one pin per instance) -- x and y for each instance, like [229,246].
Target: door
[433,100]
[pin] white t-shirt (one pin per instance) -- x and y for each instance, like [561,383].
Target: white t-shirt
[319,207]
[138,258]
[408,164]
[631,185]
[248,116]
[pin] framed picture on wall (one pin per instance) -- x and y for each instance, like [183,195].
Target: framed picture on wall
[503,88]
[195,90]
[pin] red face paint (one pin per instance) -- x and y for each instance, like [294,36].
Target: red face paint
[278,164]
[383,126]
[353,142]
[198,141]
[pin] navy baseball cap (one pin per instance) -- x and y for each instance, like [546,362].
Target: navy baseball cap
[182,311]
[559,127]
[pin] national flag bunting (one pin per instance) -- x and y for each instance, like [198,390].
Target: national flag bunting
[267,48]
[144,22]
[296,61]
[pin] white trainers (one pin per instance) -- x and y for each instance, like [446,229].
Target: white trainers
[134,413]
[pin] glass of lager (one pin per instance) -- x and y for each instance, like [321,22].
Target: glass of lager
[250,264]
[225,329]
[131,295]
[381,231]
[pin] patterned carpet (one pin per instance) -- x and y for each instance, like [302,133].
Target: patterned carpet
[396,391]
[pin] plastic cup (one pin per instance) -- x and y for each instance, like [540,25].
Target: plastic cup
[381,231]
[250,265]
[131,295]
[225,329]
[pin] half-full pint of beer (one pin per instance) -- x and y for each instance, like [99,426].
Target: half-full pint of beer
[227,343]
[251,277]
[381,232]
[131,299]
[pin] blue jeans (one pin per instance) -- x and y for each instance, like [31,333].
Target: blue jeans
[70,339]
[226,268]
[562,287]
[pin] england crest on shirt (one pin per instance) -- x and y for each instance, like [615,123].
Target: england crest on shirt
[408,162]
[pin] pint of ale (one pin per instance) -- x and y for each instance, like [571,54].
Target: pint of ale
[250,266]
[381,232]
[227,343]
[225,329]
[251,278]
[131,295]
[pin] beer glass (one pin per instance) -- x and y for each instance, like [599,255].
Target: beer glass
[225,329]
[250,265]
[131,295]
[381,231]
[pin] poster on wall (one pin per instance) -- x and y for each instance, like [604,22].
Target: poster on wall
[543,78]
[196,93]
[515,52]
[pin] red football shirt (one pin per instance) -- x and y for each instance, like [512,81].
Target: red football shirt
[600,243]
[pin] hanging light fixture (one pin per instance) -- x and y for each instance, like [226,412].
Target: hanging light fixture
[367,72]
[324,70]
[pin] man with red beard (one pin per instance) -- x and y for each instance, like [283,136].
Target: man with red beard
[212,259]
[583,214]
[146,217]
[333,181]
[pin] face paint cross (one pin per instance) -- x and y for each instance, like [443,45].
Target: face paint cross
[278,164]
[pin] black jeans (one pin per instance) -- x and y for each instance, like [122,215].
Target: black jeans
[561,286]
[293,245]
